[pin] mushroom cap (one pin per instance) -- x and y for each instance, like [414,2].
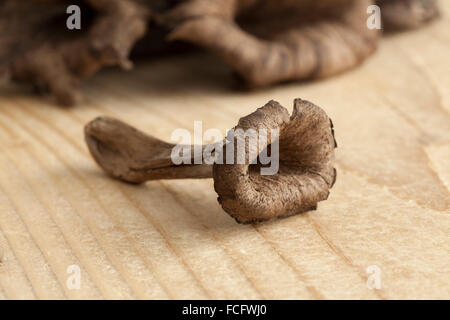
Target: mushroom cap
[306,172]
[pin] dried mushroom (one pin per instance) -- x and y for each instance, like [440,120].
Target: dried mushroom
[305,154]
[36,46]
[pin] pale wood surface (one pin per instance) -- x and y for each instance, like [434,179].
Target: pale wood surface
[170,239]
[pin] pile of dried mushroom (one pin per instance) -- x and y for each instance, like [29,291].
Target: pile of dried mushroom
[264,41]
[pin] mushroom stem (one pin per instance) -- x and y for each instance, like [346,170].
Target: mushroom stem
[133,156]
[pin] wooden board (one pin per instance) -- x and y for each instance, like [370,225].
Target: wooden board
[389,210]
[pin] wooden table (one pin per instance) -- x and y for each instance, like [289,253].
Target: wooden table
[388,215]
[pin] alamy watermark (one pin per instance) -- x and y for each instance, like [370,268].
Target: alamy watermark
[374,20]
[239,147]
[74,20]
[374,279]
[73,281]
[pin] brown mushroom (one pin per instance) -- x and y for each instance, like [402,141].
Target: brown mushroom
[305,174]
[267,42]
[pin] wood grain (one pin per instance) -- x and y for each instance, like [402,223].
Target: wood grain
[390,206]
